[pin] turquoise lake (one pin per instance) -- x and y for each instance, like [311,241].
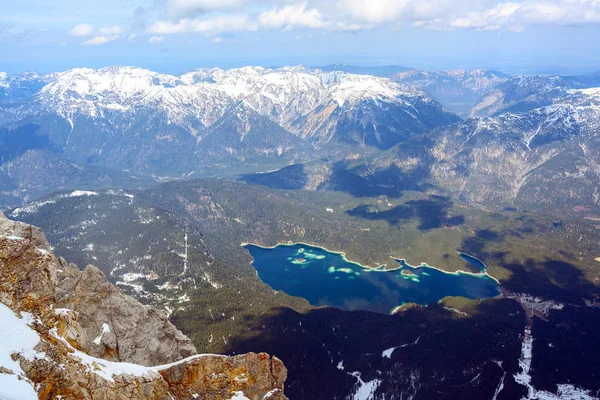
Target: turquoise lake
[327,278]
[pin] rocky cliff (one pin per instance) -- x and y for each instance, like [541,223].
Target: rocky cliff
[66,333]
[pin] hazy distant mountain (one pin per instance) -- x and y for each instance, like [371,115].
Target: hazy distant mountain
[459,90]
[15,88]
[525,93]
[381,70]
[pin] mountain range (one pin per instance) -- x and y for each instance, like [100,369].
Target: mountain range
[130,127]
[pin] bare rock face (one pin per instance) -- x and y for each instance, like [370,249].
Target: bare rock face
[215,377]
[118,327]
[85,339]
[28,270]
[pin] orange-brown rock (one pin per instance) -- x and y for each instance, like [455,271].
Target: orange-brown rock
[87,328]
[214,377]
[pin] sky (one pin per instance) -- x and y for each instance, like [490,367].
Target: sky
[174,36]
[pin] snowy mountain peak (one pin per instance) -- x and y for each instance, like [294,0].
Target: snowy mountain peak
[289,101]
[281,94]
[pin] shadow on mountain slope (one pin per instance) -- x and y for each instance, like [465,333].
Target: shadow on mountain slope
[292,177]
[360,182]
[432,212]
[548,278]
[551,279]
[17,141]
[566,349]
[436,351]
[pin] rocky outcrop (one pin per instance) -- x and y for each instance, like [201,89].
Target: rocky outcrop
[214,377]
[117,327]
[88,340]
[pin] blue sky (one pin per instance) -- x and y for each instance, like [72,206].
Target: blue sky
[178,35]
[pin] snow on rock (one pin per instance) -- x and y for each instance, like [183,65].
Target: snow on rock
[12,237]
[108,369]
[270,393]
[105,329]
[12,388]
[62,311]
[16,337]
[239,395]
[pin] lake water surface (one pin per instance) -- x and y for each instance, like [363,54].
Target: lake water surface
[327,278]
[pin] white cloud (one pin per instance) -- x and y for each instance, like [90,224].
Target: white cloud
[186,8]
[383,11]
[132,36]
[110,30]
[102,35]
[293,16]
[98,40]
[155,39]
[217,39]
[518,16]
[228,23]
[213,17]
[81,30]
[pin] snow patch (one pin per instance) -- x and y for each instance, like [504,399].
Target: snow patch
[79,193]
[270,393]
[12,237]
[16,337]
[239,395]
[105,329]
[366,390]
[388,353]
[131,277]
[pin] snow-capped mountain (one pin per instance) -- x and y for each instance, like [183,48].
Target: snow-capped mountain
[283,95]
[479,80]
[136,119]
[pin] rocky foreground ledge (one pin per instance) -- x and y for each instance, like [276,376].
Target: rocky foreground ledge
[70,334]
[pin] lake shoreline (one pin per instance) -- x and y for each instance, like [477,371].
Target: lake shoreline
[381,268]
[335,281]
